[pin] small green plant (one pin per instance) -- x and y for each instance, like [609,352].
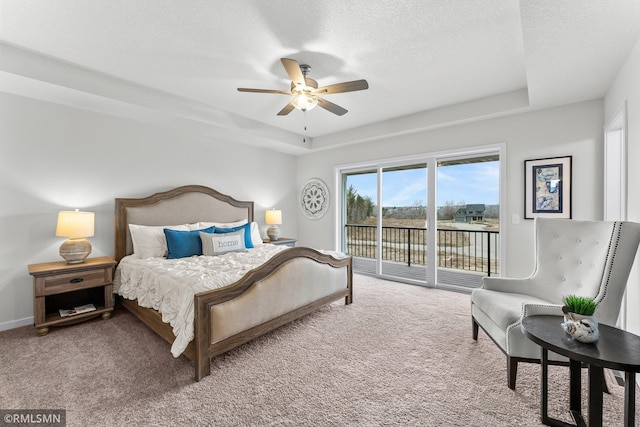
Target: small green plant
[579,305]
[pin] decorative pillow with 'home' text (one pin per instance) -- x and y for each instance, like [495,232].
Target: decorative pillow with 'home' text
[218,244]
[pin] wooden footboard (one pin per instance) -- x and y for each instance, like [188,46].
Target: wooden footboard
[292,284]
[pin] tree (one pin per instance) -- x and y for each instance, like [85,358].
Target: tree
[419,211]
[448,211]
[358,208]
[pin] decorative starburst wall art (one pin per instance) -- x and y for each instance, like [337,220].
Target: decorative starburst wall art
[314,199]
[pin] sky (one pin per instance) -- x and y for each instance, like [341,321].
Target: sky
[465,183]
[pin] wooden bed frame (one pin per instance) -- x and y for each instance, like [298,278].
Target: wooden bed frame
[291,271]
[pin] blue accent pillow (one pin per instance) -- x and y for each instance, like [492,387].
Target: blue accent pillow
[182,244]
[247,233]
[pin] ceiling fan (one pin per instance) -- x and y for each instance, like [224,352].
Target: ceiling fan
[304,90]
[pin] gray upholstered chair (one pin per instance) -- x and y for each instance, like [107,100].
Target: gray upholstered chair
[589,258]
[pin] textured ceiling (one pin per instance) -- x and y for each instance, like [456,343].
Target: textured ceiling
[185,58]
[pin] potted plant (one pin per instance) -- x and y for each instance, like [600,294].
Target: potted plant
[583,306]
[579,318]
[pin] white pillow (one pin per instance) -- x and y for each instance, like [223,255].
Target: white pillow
[256,238]
[149,241]
[202,225]
[217,244]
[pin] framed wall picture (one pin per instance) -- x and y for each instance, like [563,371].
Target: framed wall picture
[547,188]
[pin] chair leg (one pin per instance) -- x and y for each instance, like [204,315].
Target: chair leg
[474,329]
[512,370]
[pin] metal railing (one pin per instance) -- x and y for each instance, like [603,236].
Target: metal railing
[470,250]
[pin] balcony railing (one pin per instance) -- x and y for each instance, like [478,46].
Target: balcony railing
[469,250]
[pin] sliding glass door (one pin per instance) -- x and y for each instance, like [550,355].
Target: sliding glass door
[403,221]
[468,220]
[431,221]
[385,220]
[360,219]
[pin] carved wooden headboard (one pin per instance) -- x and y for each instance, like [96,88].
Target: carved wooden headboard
[182,205]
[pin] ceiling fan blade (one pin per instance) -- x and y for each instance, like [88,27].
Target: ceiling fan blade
[293,70]
[343,87]
[330,106]
[286,110]
[283,92]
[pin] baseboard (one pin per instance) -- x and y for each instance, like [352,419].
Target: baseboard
[16,324]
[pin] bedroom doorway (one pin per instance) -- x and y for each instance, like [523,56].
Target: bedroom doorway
[427,220]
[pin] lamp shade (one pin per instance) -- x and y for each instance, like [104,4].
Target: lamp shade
[273,216]
[75,224]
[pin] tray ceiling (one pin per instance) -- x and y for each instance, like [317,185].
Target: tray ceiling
[428,63]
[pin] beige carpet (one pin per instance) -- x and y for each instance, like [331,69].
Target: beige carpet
[400,355]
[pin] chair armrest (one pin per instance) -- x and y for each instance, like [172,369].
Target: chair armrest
[506,284]
[541,310]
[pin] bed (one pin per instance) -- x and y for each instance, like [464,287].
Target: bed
[295,281]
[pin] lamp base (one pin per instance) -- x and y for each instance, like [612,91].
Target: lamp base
[273,232]
[75,250]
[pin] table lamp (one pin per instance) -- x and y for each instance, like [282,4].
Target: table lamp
[76,226]
[273,217]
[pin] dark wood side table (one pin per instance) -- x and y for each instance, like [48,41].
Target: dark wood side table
[616,349]
[287,241]
[58,285]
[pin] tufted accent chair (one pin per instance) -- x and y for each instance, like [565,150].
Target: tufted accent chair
[588,258]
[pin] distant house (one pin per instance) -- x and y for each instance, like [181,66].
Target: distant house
[470,213]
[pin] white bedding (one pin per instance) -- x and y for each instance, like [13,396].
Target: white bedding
[169,285]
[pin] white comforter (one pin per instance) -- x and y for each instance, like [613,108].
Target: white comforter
[169,285]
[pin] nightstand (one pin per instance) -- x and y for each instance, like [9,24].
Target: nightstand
[58,285]
[282,241]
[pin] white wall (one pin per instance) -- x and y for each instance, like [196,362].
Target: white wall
[56,158]
[574,130]
[627,88]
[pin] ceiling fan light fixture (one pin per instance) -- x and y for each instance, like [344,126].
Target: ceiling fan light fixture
[304,91]
[304,101]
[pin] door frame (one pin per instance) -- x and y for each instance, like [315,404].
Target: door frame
[615,182]
[430,159]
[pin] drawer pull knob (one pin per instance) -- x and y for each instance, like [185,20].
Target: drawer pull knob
[76,280]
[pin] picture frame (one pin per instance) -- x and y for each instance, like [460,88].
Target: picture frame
[547,187]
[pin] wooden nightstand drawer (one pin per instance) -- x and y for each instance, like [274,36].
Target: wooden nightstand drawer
[59,283]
